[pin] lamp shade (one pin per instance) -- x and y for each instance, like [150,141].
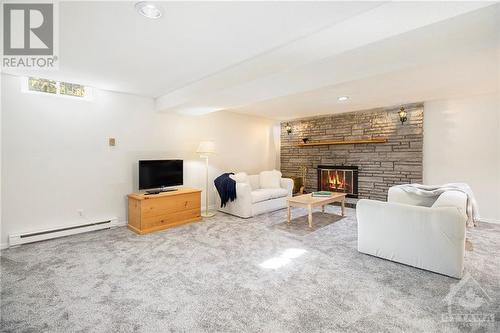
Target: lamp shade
[206,147]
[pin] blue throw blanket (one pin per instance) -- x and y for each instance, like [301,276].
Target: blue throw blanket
[226,188]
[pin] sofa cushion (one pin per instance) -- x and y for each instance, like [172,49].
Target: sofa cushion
[277,192]
[254,181]
[270,179]
[452,199]
[399,195]
[261,195]
[241,177]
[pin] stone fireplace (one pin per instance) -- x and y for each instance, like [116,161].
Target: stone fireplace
[343,179]
[398,160]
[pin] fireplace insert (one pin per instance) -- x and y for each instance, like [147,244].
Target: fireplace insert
[335,178]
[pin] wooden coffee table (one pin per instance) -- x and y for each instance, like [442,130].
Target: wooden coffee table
[308,201]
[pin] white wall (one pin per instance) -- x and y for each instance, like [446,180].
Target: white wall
[1,113]
[56,158]
[462,144]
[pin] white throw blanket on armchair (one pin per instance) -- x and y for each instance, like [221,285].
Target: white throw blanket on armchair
[437,190]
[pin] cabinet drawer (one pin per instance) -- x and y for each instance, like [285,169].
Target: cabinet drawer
[167,205]
[170,219]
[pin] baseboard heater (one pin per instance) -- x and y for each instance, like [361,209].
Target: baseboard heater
[36,236]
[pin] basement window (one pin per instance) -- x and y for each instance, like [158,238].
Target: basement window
[42,85]
[46,86]
[71,89]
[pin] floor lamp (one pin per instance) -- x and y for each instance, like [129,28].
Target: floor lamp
[205,149]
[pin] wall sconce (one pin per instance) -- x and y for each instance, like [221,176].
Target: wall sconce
[403,115]
[288,128]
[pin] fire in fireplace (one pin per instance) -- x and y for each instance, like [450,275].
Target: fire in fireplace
[342,179]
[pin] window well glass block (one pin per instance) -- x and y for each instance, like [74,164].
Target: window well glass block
[71,89]
[42,85]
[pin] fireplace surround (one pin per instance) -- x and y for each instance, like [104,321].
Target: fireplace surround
[338,178]
[381,165]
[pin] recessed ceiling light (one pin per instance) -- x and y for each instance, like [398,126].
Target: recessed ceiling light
[343,98]
[148,9]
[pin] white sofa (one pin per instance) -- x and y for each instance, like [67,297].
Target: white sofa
[252,199]
[422,232]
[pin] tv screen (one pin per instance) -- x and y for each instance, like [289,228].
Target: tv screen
[160,173]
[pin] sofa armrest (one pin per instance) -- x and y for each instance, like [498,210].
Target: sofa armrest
[243,192]
[242,206]
[398,195]
[287,184]
[424,237]
[456,199]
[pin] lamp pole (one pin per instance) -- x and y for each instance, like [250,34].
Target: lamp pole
[206,188]
[205,149]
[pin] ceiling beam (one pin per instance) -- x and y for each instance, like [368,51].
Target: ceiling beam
[297,66]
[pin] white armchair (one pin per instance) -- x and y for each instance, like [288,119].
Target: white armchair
[253,199]
[421,232]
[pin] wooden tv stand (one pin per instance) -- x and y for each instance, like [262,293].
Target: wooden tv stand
[149,213]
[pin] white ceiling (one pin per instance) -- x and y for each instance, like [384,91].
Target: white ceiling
[457,57]
[281,60]
[111,46]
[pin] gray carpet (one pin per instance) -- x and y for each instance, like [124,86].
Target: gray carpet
[232,275]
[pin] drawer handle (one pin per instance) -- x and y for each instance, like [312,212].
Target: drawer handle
[185,204]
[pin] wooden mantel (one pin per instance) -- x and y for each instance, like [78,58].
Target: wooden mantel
[342,142]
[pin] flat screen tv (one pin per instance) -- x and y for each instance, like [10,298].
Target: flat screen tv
[155,174]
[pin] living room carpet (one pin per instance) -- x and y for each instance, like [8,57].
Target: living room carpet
[228,274]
